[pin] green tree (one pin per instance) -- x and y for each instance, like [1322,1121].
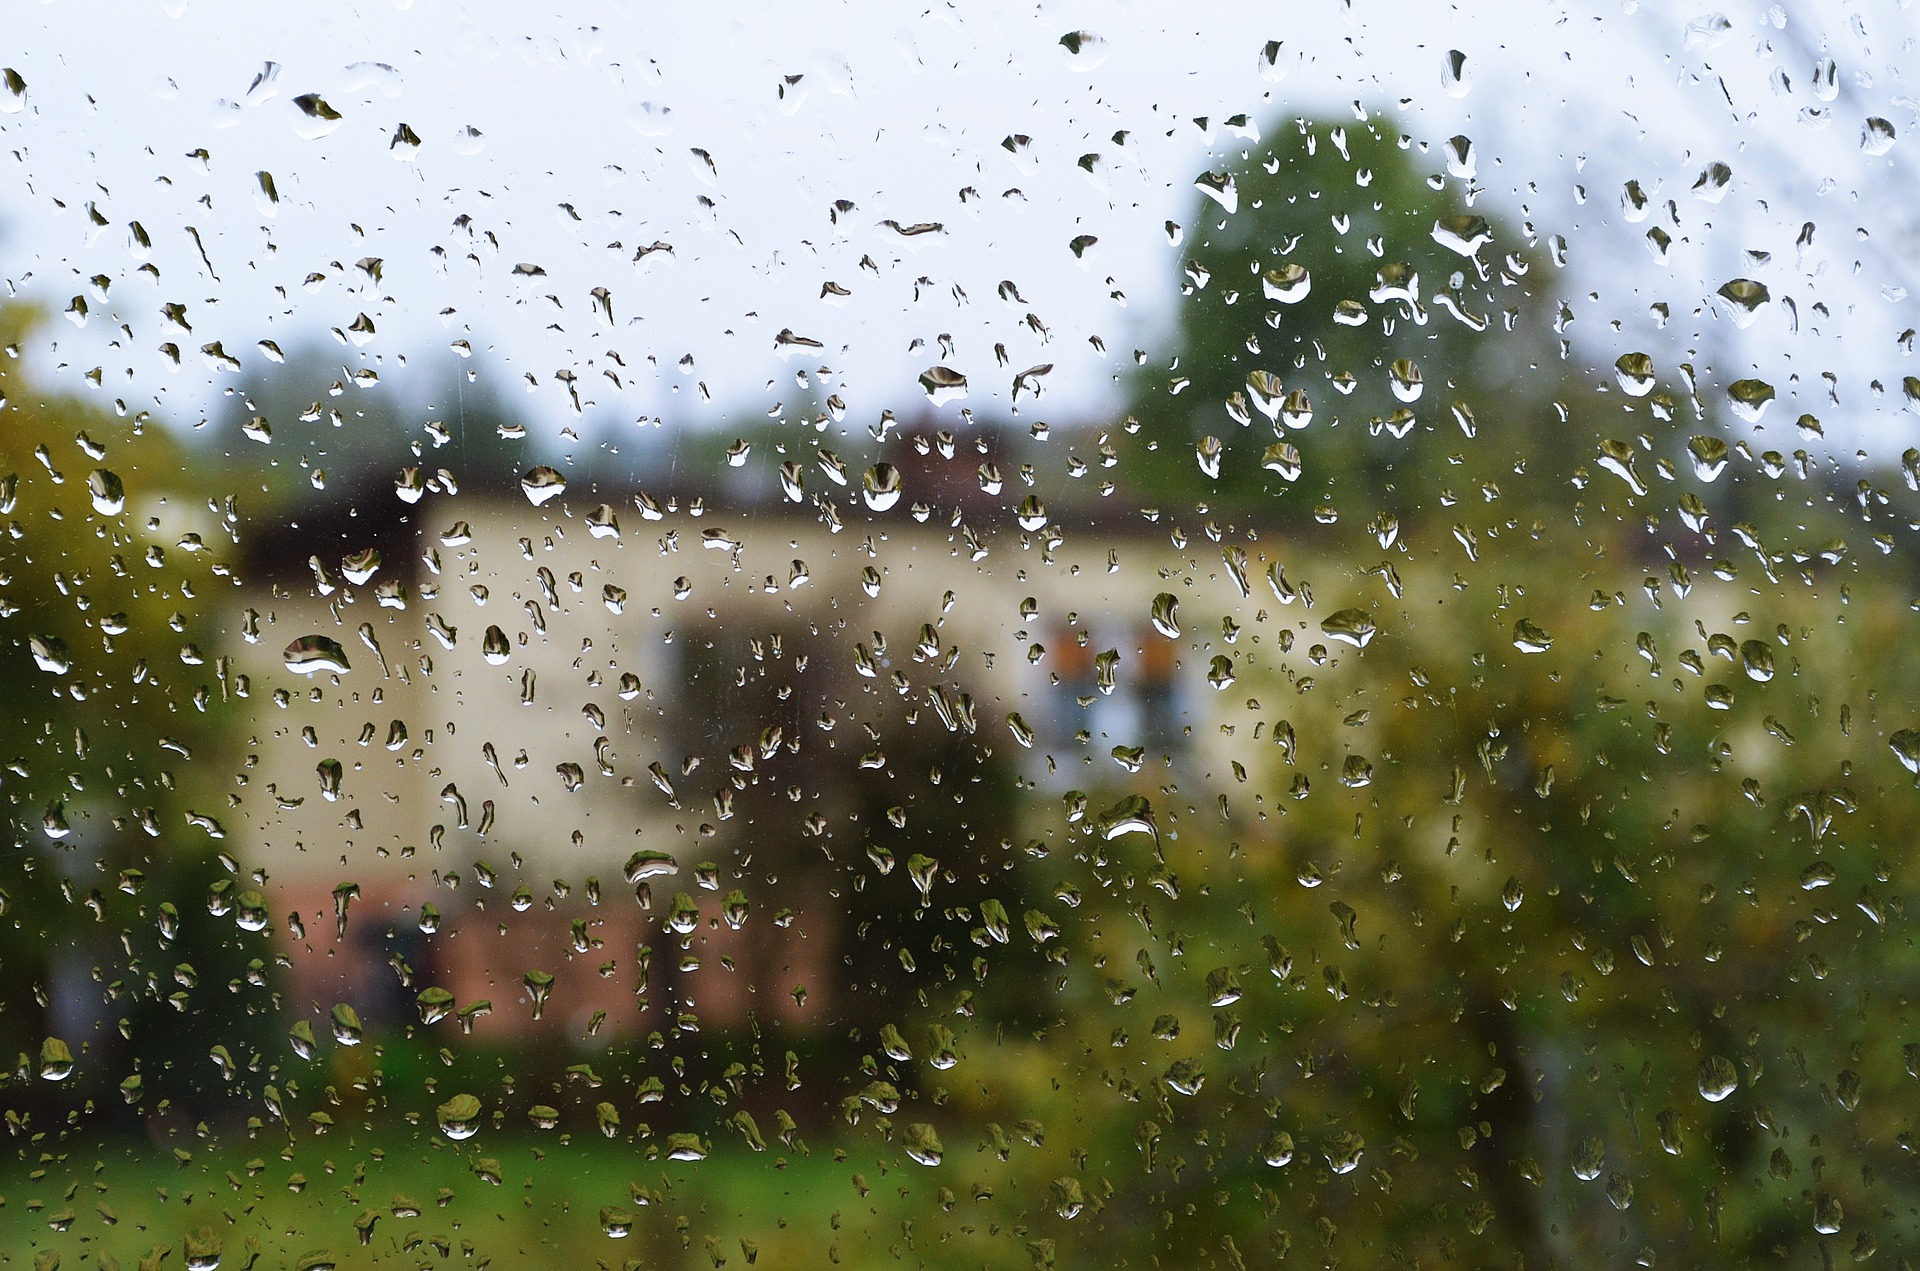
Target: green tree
[123,940]
[1348,319]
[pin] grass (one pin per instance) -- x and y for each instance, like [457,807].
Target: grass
[428,1202]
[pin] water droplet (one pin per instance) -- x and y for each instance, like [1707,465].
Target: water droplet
[1343,1152]
[1460,157]
[1617,457]
[1749,399]
[1589,1159]
[1288,284]
[1084,50]
[312,654]
[203,1249]
[1464,234]
[921,1143]
[542,483]
[1405,378]
[1266,389]
[435,1004]
[686,1147]
[1283,458]
[361,565]
[1817,875]
[1635,373]
[347,1029]
[1131,815]
[1709,455]
[1876,136]
[1513,895]
[108,494]
[539,988]
[1220,187]
[1351,626]
[50,653]
[1741,300]
[943,384]
[56,1060]
[880,486]
[1165,615]
[1208,451]
[1455,78]
[1905,745]
[495,647]
[1023,734]
[1718,1078]
[459,1117]
[1297,410]
[1032,513]
[1530,639]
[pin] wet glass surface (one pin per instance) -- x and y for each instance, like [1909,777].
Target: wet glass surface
[967,637]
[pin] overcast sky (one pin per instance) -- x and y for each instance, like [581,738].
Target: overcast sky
[556,142]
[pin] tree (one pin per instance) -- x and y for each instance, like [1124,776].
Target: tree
[122,925]
[1348,317]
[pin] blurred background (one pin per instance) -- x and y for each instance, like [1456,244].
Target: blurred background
[980,638]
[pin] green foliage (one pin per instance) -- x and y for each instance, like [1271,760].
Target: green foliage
[1355,206]
[115,685]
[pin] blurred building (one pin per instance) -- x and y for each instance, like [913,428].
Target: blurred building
[622,745]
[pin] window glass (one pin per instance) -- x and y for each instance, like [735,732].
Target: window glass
[977,636]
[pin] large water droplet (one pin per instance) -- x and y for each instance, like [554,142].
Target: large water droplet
[495,647]
[459,1117]
[943,384]
[49,653]
[881,485]
[1220,187]
[1351,626]
[922,1144]
[1718,1078]
[347,1028]
[312,654]
[1288,284]
[108,494]
[1905,745]
[542,483]
[1741,299]
[56,1060]
[1404,376]
[1530,639]
[1084,50]
[1635,373]
[1165,615]
[1709,456]
[1749,399]
[1465,234]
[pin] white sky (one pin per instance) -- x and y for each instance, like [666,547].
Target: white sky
[599,108]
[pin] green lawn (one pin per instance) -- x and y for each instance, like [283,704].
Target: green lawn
[433,1203]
